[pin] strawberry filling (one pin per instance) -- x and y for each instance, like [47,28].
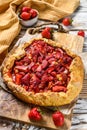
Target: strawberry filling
[43,68]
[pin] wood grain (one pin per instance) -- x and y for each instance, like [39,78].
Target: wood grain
[12,108]
[83,93]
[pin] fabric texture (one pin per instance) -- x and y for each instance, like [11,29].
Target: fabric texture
[48,9]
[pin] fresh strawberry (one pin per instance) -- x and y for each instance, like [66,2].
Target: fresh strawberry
[18,78]
[25,15]
[81,33]
[58,118]
[33,13]
[34,114]
[67,21]
[46,33]
[26,9]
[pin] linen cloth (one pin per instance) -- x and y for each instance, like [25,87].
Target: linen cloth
[48,9]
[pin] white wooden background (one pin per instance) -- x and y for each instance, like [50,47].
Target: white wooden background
[79,121]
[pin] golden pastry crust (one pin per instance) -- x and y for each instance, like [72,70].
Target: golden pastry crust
[45,98]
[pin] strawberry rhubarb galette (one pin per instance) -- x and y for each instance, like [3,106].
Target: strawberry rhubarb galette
[44,73]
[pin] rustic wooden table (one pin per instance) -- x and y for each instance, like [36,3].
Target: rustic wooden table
[79,121]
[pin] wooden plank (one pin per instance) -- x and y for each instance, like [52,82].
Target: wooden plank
[79,121]
[83,93]
[12,108]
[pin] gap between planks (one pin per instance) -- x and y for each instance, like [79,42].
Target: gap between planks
[83,93]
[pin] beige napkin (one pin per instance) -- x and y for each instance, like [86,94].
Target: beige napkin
[48,9]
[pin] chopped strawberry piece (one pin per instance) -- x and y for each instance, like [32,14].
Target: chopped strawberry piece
[35,58]
[50,78]
[26,60]
[64,77]
[36,89]
[34,80]
[51,60]
[50,69]
[38,74]
[58,55]
[58,83]
[40,59]
[44,78]
[60,50]
[18,79]
[39,68]
[18,63]
[22,68]
[49,49]
[22,73]
[49,56]
[30,65]
[67,59]
[23,61]
[59,89]
[53,73]
[60,68]
[34,68]
[26,79]
[44,64]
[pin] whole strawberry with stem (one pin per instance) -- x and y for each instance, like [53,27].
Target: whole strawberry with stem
[67,21]
[47,33]
[81,33]
[58,118]
[35,114]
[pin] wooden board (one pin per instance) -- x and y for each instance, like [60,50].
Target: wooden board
[12,108]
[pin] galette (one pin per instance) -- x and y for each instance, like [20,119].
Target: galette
[43,72]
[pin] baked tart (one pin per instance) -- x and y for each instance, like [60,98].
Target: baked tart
[44,73]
